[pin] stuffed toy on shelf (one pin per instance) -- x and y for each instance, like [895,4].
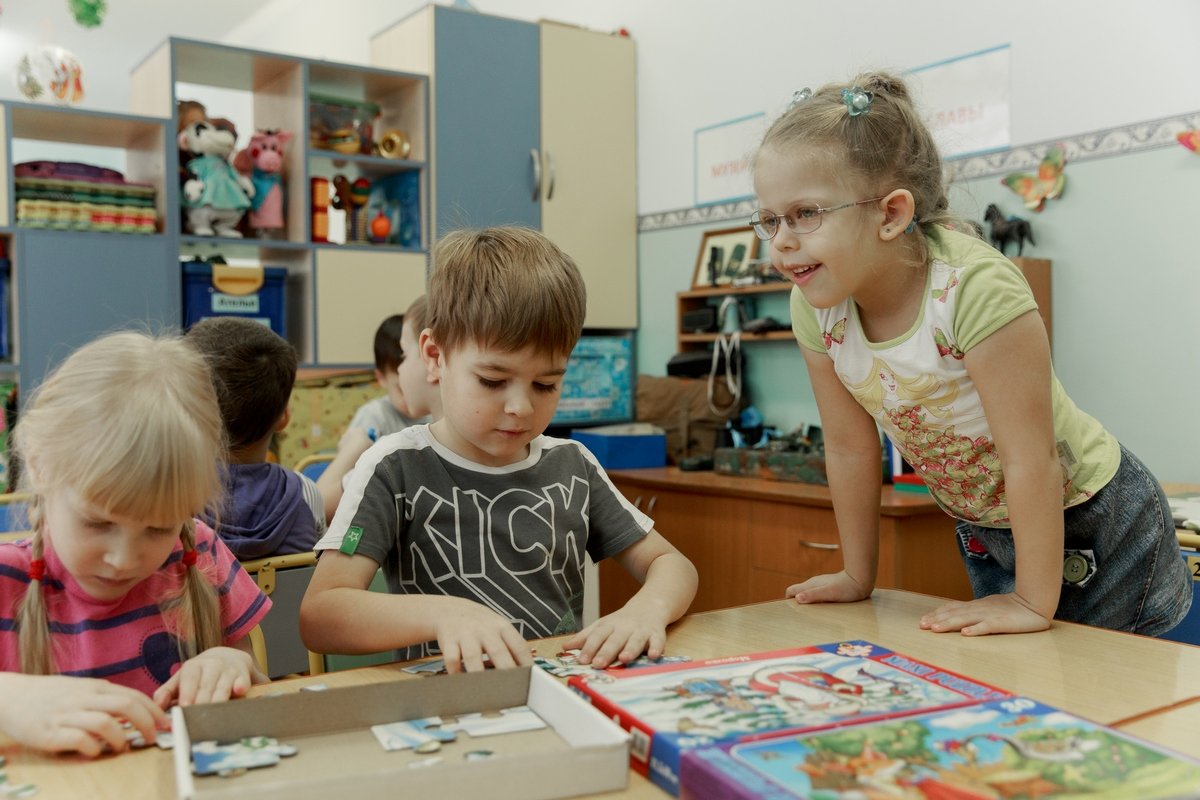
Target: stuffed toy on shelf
[215,196]
[262,161]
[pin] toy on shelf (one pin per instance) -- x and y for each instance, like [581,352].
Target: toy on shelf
[1012,229]
[262,161]
[381,226]
[319,188]
[342,125]
[215,196]
[360,192]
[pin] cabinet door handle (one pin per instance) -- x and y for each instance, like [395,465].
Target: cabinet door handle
[819,545]
[537,174]
[637,501]
[549,176]
[650,505]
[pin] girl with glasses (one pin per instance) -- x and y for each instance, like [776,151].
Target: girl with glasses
[910,322]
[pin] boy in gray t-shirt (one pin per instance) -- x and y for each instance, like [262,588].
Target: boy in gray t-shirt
[479,521]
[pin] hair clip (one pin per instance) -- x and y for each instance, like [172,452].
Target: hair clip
[857,100]
[188,558]
[799,96]
[37,569]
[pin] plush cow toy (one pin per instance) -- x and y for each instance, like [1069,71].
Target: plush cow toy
[262,160]
[214,196]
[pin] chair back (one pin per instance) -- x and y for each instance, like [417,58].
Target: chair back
[284,579]
[14,510]
[311,466]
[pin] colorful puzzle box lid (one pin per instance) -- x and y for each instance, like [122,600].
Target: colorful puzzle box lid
[1015,747]
[674,708]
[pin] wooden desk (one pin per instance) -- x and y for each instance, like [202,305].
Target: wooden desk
[1105,676]
[750,538]
[1173,727]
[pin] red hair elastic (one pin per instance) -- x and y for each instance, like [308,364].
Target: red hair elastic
[189,558]
[37,569]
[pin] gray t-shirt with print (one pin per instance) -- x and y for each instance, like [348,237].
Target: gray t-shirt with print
[512,538]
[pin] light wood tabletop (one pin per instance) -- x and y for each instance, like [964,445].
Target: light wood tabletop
[1102,675]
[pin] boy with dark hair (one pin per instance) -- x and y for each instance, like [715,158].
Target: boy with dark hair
[269,510]
[409,399]
[481,523]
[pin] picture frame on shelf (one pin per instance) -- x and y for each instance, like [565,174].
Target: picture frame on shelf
[723,253]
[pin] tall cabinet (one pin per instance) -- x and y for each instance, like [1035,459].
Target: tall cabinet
[532,124]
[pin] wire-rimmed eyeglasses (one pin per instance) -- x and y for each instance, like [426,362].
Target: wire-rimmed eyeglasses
[801,220]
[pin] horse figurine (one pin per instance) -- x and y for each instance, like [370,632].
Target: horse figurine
[1007,230]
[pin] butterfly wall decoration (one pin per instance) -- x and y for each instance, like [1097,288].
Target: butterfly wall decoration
[1190,140]
[1047,184]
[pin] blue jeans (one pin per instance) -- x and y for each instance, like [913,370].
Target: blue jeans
[1138,582]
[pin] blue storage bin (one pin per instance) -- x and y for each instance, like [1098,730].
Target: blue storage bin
[230,291]
[1188,631]
[625,446]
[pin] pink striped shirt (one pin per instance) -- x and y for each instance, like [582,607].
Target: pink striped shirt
[127,641]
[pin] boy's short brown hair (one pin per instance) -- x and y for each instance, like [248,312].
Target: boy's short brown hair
[505,287]
[253,369]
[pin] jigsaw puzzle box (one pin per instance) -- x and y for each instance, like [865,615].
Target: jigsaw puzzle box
[578,752]
[1013,748]
[672,709]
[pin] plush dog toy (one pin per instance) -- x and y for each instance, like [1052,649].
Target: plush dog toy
[262,160]
[214,196]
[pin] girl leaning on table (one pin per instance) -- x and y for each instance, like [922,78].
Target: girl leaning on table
[908,322]
[121,603]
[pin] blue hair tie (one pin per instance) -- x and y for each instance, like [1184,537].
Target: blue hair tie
[799,96]
[912,225]
[857,100]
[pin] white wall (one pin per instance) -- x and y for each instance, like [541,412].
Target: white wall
[1077,65]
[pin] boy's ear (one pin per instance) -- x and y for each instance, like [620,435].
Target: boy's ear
[898,211]
[379,377]
[284,419]
[432,355]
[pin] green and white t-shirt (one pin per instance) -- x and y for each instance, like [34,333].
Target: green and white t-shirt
[918,390]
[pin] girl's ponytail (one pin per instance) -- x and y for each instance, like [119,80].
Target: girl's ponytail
[33,630]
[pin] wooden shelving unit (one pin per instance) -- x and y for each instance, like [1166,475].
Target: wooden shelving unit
[694,299]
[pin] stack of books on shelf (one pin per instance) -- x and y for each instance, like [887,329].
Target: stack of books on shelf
[69,196]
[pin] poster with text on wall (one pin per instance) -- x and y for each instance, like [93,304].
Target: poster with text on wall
[965,101]
[723,154]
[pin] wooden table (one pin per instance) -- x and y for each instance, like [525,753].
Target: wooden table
[1141,683]
[750,538]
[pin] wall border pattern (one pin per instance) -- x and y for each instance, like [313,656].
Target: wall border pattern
[1084,147]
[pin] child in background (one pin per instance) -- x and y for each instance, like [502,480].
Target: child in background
[269,510]
[906,321]
[480,523]
[409,384]
[121,603]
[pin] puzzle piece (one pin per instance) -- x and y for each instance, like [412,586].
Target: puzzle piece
[209,757]
[412,733]
[506,720]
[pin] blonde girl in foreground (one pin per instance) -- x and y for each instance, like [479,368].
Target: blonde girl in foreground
[121,603]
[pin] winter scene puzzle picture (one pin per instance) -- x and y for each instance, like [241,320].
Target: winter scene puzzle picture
[1013,748]
[672,708]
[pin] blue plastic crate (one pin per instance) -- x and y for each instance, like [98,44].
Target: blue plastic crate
[1188,631]
[201,299]
[624,446]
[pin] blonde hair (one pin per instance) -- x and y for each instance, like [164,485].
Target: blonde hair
[130,423]
[505,287]
[417,314]
[887,148]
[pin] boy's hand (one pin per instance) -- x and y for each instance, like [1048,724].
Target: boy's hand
[835,588]
[470,630]
[621,636]
[217,674]
[997,613]
[58,714]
